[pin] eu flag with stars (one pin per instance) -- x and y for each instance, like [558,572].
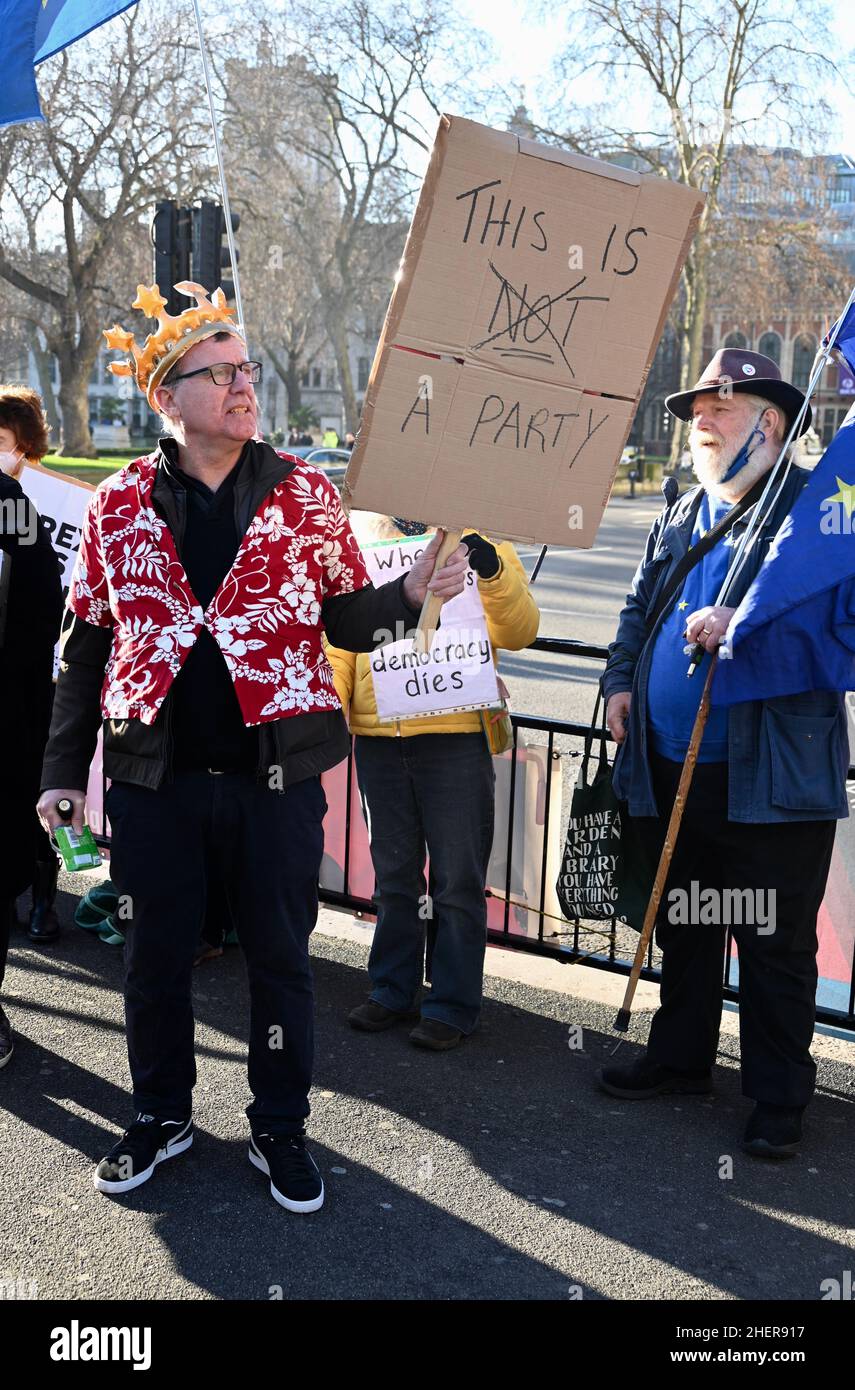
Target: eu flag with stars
[33,30]
[795,629]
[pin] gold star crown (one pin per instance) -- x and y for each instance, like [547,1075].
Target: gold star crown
[175,333]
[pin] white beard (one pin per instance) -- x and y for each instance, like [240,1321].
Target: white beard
[710,466]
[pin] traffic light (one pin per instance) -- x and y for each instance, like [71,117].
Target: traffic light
[210,257]
[170,238]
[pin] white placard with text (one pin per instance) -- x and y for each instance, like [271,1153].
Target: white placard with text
[458,671]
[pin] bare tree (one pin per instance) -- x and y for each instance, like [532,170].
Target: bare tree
[122,128]
[279,296]
[719,78]
[339,106]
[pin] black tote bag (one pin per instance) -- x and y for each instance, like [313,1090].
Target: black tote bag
[605,871]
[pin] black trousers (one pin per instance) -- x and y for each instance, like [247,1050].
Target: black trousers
[777,967]
[267,846]
[7,908]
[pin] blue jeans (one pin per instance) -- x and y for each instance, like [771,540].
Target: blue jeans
[431,792]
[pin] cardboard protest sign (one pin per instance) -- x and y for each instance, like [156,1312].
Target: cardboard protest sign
[530,300]
[456,672]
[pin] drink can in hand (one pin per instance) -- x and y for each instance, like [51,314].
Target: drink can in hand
[77,851]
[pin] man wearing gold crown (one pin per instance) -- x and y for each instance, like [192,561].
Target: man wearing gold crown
[207,573]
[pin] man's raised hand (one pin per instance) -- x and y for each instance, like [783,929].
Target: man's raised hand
[446,582]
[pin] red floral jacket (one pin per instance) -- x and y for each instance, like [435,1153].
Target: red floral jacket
[266,615]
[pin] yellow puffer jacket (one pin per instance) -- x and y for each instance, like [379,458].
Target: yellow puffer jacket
[512,622]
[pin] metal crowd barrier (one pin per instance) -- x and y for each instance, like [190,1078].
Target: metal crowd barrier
[573,950]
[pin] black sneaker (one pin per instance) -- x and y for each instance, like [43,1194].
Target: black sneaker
[373,1017]
[134,1158]
[642,1079]
[773,1131]
[295,1181]
[7,1042]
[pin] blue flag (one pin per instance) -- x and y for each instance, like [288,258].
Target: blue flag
[33,30]
[61,22]
[19,99]
[795,629]
[845,340]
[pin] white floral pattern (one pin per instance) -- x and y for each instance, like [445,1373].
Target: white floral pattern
[265,617]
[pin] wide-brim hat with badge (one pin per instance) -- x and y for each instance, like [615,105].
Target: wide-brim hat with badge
[176,333]
[733,369]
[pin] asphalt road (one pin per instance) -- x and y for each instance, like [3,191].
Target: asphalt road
[495,1171]
[580,594]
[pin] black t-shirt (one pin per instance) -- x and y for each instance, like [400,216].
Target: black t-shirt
[207,724]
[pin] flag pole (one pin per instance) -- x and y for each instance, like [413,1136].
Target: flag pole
[230,236]
[622,1020]
[821,361]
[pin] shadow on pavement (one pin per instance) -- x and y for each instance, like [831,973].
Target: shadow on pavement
[496,1170]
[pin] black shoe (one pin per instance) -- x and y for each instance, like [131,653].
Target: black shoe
[295,1181]
[436,1036]
[773,1131]
[43,925]
[7,1043]
[134,1158]
[642,1079]
[373,1018]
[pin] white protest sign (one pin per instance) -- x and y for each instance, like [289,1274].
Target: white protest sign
[61,504]
[457,672]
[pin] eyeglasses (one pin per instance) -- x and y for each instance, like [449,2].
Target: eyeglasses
[223,373]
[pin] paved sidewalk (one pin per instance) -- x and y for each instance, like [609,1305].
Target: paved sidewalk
[494,1171]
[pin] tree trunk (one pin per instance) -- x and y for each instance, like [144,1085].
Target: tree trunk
[292,381]
[75,372]
[691,336]
[43,365]
[338,338]
[695,342]
[289,375]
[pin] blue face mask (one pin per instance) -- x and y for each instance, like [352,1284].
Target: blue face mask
[746,451]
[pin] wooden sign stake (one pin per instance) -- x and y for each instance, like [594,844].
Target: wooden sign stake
[432,606]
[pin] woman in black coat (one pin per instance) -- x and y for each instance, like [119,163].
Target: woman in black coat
[30,617]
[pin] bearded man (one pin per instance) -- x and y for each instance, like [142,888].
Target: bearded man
[207,573]
[757,833]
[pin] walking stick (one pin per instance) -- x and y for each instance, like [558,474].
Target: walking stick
[621,1023]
